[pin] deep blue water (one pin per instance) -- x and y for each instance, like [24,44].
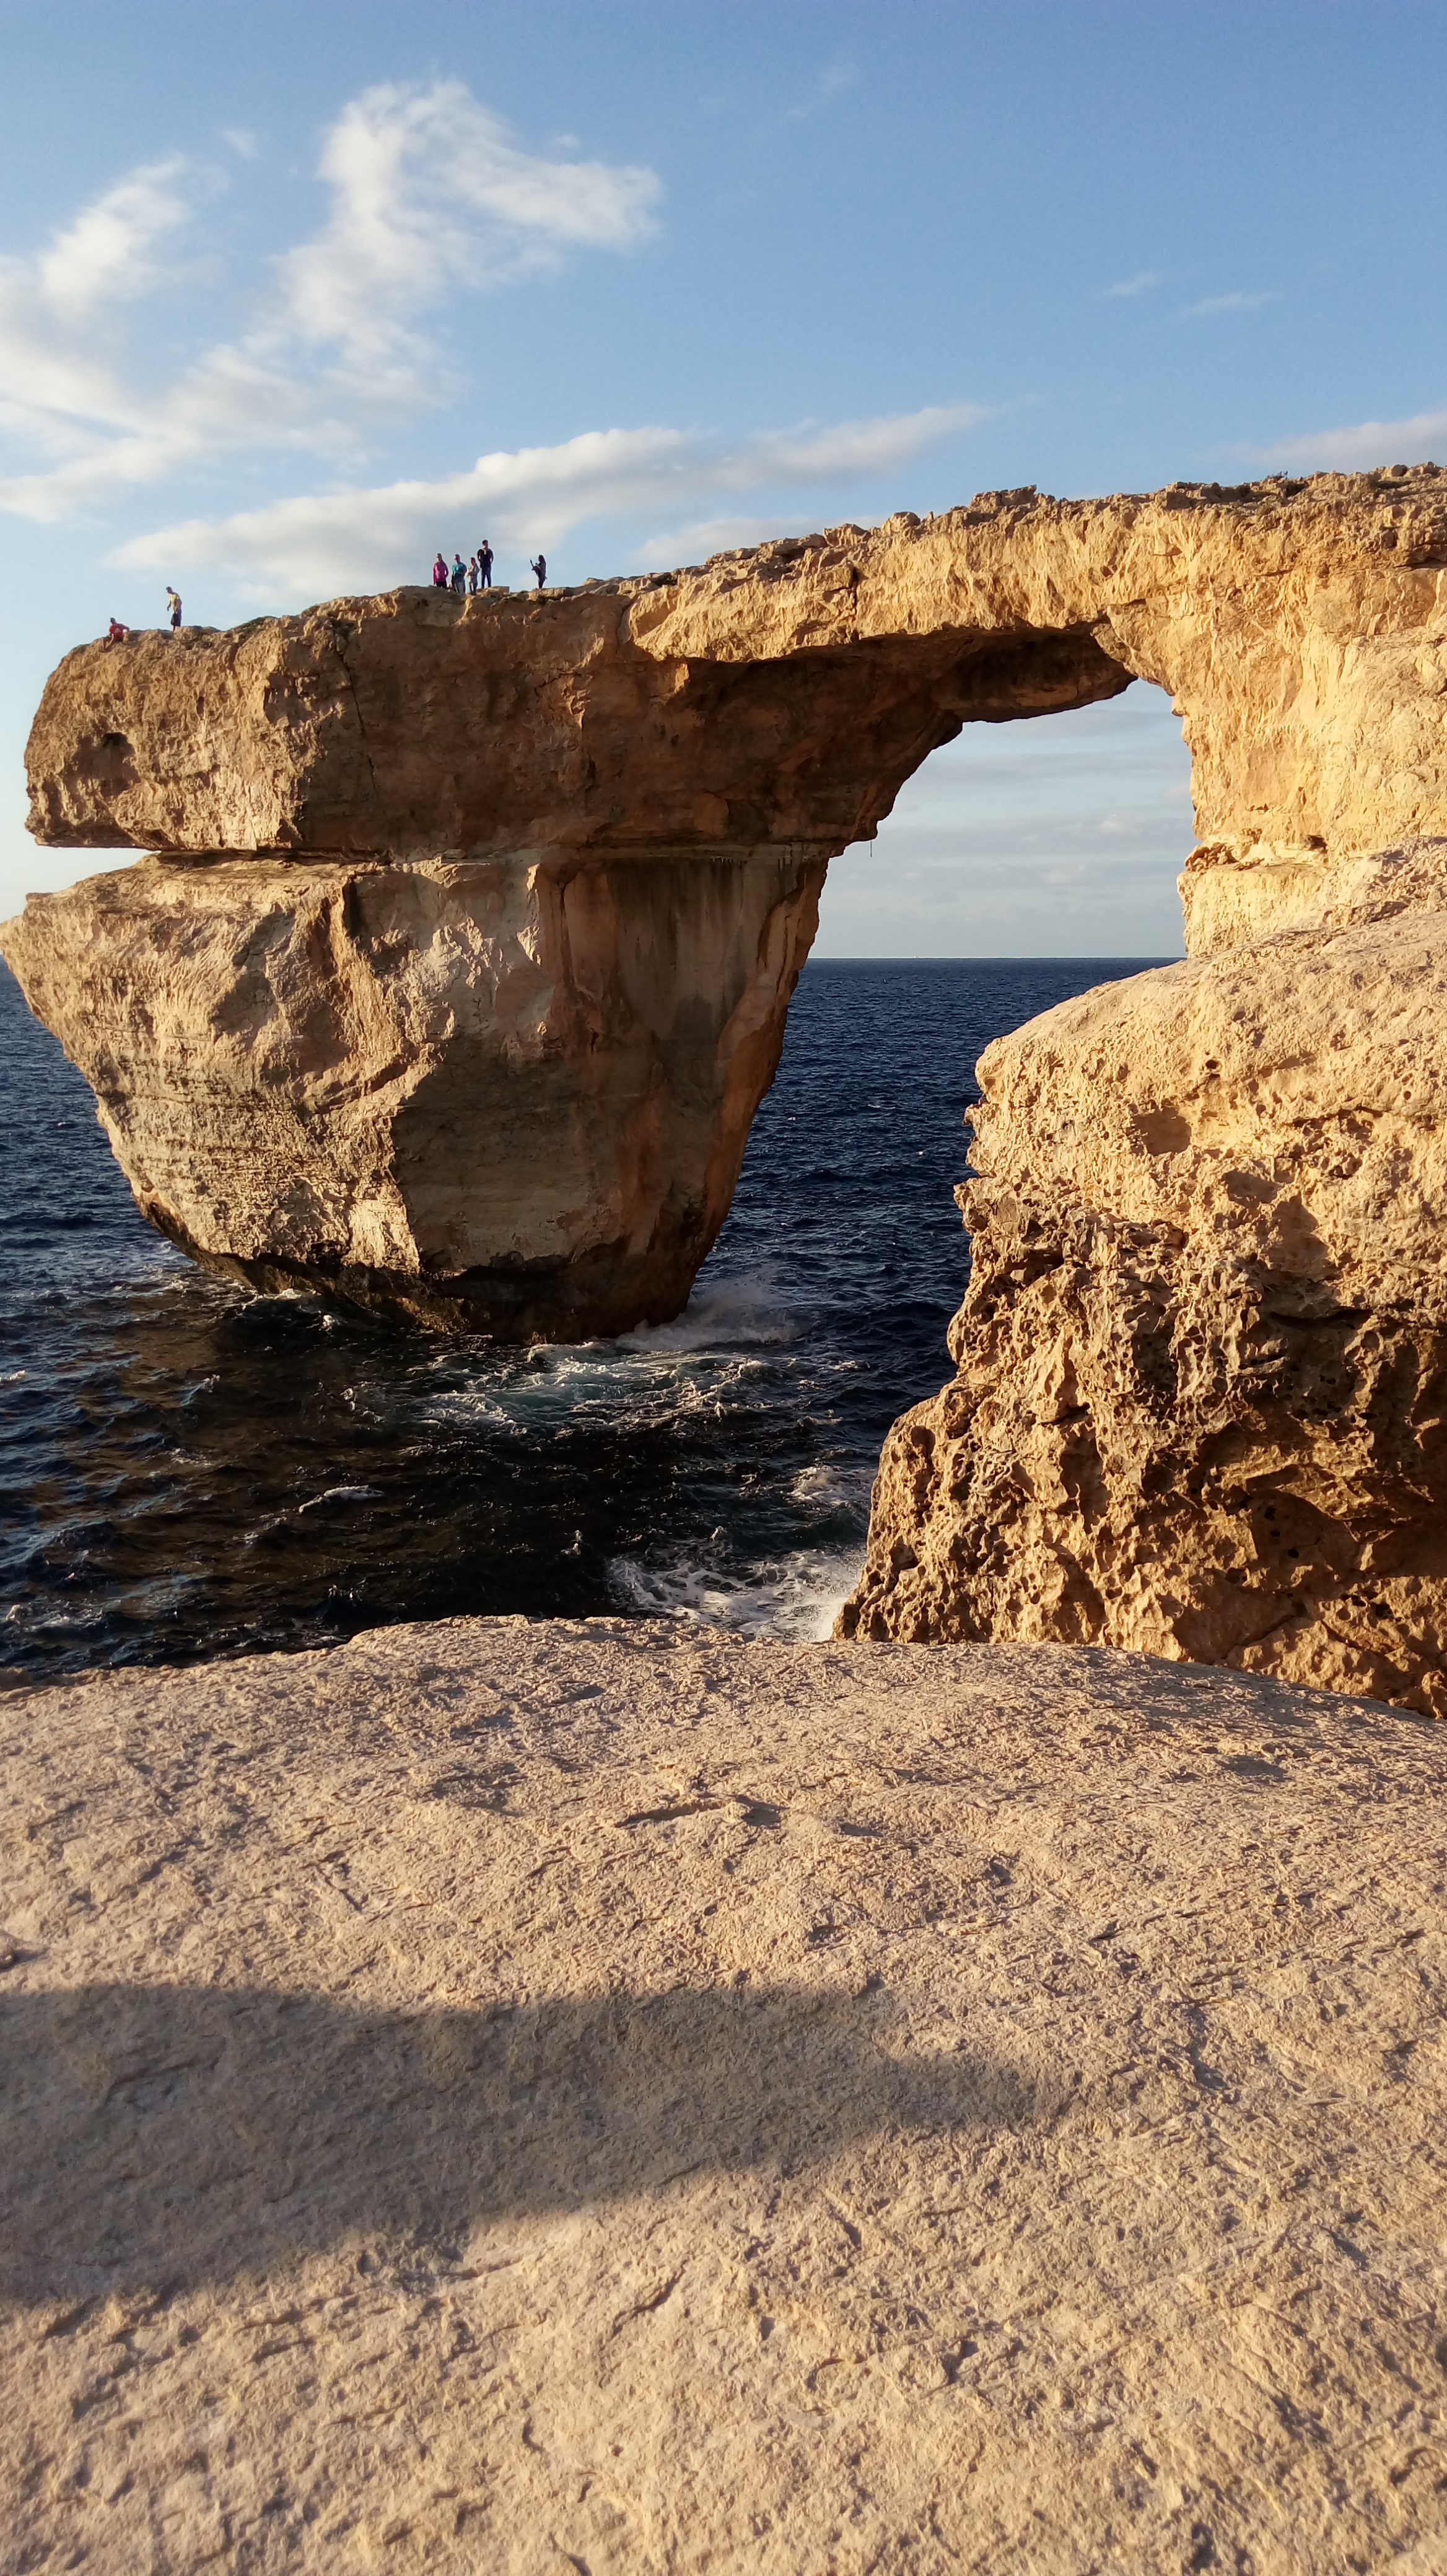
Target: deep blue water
[186,1470]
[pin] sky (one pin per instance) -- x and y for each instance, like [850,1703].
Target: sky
[291,296]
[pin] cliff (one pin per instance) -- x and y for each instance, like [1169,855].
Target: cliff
[460,958]
[514,2097]
[1202,1357]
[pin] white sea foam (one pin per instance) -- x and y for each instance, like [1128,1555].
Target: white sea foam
[702,1362]
[795,1597]
[825,1489]
[728,1314]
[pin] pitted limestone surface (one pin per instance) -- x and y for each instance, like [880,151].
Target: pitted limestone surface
[515,2096]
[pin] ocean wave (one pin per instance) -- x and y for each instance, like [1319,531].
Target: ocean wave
[794,1597]
[724,1314]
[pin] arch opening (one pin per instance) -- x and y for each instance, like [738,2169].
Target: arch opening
[1058,836]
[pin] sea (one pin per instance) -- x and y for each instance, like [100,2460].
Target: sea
[188,1470]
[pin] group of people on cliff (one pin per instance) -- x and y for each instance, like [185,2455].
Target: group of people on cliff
[464,578]
[476,574]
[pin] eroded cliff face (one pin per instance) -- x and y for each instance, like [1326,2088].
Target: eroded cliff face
[1201,1402]
[460,957]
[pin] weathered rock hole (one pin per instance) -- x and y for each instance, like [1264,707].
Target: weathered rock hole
[1055,835]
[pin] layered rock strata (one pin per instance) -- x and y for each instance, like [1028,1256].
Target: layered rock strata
[516,2097]
[461,957]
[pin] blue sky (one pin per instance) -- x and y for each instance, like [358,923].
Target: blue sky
[290,295]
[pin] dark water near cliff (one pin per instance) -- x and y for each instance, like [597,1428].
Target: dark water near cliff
[186,1470]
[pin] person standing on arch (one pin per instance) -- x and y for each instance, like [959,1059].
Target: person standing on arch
[439,573]
[540,568]
[484,566]
[173,607]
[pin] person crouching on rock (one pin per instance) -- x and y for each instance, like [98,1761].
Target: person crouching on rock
[116,633]
[439,573]
[540,568]
[173,607]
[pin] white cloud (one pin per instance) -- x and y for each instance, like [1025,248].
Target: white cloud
[1365,443]
[429,195]
[106,255]
[318,545]
[852,446]
[1235,303]
[700,538]
[1137,285]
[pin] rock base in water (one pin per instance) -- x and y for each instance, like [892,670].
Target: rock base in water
[492,1096]
[506,2097]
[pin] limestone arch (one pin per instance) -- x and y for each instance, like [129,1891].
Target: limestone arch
[425,876]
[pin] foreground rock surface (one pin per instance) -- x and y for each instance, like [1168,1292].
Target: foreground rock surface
[1202,1359]
[510,2097]
[471,1005]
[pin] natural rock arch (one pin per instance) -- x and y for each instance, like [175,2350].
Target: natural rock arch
[460,958]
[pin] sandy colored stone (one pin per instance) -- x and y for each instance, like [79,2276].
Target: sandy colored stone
[786,692]
[510,2097]
[487,1096]
[1203,1352]
[1231,905]
[474,1001]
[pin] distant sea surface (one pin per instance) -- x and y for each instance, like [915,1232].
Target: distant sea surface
[187,1470]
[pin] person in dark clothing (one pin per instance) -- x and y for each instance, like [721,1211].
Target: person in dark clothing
[540,568]
[484,566]
[439,573]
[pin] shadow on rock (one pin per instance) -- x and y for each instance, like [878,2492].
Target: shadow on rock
[160,2136]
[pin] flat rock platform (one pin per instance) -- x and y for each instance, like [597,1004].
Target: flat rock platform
[613,2096]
